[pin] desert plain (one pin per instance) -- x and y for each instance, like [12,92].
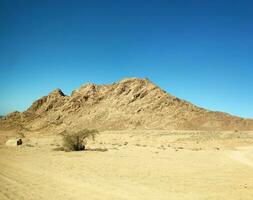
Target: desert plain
[130,164]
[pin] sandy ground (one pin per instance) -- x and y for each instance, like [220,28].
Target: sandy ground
[131,165]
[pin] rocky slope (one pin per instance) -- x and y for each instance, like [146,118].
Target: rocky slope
[128,104]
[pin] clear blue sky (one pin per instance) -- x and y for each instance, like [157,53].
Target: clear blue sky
[198,50]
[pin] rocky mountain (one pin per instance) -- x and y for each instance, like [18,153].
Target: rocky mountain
[128,104]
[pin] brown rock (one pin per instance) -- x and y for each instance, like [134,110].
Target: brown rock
[129,104]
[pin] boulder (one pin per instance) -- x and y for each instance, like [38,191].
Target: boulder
[14,142]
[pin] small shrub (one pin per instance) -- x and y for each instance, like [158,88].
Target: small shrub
[76,141]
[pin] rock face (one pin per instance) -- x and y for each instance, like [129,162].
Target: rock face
[14,142]
[128,104]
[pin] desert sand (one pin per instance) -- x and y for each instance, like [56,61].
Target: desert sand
[141,152]
[148,164]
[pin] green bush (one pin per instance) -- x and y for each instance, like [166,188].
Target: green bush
[76,141]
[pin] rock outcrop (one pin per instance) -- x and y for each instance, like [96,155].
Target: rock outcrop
[128,104]
[14,142]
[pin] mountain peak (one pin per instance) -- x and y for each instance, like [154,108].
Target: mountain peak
[134,80]
[130,103]
[57,92]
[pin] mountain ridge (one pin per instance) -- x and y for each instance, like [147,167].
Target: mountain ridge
[131,103]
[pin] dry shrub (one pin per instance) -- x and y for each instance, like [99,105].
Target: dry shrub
[76,141]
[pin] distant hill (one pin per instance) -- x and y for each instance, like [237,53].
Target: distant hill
[128,104]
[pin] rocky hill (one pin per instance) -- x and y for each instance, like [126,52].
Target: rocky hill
[128,104]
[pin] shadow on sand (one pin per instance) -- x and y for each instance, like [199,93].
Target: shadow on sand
[96,149]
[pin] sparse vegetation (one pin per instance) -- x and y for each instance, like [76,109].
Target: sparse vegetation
[76,141]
